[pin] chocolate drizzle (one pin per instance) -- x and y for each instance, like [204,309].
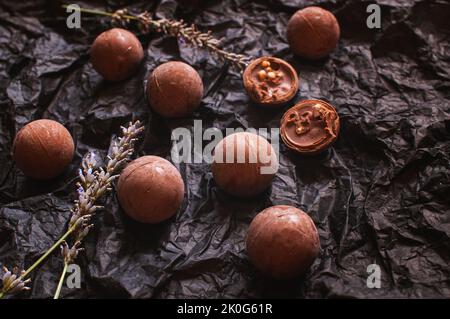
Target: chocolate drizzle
[310,126]
[270,81]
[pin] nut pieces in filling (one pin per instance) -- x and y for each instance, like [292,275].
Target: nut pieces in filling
[270,81]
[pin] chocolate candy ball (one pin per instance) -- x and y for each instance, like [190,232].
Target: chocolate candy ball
[270,81]
[282,241]
[116,54]
[42,149]
[313,33]
[244,164]
[150,189]
[310,126]
[174,89]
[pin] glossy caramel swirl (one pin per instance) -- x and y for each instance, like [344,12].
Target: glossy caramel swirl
[310,126]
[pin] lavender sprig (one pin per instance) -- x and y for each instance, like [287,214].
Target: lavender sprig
[188,34]
[176,28]
[94,183]
[13,282]
[9,288]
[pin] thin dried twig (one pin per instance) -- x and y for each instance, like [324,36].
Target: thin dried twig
[186,33]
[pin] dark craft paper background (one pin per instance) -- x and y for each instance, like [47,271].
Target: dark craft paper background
[380,195]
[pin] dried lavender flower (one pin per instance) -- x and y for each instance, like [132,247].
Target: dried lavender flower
[13,282]
[70,254]
[184,32]
[95,182]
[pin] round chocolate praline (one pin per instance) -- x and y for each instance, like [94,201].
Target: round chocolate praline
[313,33]
[42,149]
[310,126]
[150,189]
[244,164]
[174,89]
[282,241]
[116,54]
[270,81]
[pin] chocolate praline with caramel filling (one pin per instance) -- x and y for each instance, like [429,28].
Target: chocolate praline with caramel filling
[310,126]
[270,81]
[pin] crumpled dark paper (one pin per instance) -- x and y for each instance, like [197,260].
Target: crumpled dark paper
[380,195]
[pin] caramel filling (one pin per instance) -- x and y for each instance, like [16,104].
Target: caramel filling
[310,126]
[302,120]
[271,81]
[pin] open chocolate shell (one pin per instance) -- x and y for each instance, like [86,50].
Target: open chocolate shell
[270,81]
[310,126]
